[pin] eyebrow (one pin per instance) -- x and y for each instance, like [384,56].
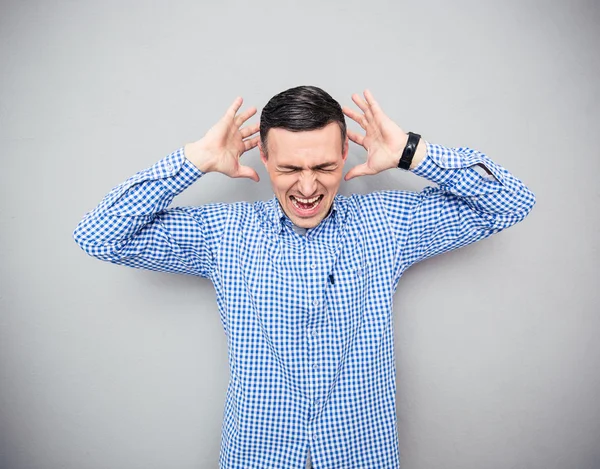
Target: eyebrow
[316,167]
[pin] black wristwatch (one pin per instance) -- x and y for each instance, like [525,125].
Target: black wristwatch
[409,150]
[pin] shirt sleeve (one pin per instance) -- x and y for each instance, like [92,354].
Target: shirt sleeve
[465,207]
[132,225]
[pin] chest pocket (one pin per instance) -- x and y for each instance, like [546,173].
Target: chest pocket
[346,297]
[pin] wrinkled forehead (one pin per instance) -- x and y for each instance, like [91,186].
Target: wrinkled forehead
[311,146]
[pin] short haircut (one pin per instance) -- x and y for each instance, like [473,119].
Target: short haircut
[299,109]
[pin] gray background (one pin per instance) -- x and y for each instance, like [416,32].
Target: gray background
[109,367]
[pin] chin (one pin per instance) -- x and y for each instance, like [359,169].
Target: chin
[308,222]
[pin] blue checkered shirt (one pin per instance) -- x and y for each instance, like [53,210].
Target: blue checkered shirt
[308,318]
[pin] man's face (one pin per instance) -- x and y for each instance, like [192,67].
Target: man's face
[305,169]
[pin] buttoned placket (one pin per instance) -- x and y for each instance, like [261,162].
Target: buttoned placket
[315,300]
[318,258]
[320,255]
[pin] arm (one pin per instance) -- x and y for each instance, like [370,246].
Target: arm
[466,207]
[132,225]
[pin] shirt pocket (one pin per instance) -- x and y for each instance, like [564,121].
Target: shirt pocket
[346,297]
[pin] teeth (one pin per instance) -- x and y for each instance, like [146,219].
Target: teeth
[306,201]
[296,200]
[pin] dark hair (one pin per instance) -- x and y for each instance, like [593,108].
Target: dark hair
[299,109]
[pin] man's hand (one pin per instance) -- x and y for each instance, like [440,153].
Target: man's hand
[223,145]
[384,140]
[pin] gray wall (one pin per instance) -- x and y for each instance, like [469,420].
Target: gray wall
[110,367]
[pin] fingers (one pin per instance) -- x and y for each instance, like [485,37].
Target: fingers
[356,138]
[373,105]
[370,100]
[364,106]
[360,102]
[235,107]
[244,116]
[247,172]
[359,170]
[250,130]
[356,117]
[368,106]
[251,143]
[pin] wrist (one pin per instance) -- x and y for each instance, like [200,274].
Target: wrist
[198,156]
[413,152]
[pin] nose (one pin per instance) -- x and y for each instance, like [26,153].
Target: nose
[307,185]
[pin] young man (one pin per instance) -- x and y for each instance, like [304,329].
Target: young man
[305,281]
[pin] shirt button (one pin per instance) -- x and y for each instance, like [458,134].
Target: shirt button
[315,366]
[316,303]
[169,167]
[314,436]
[313,266]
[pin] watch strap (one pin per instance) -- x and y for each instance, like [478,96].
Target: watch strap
[409,150]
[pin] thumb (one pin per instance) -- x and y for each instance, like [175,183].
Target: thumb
[247,172]
[358,170]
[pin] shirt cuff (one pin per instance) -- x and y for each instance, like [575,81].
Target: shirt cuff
[447,166]
[434,166]
[176,172]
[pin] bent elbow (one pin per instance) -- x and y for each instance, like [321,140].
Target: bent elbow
[522,208]
[531,200]
[526,202]
[88,242]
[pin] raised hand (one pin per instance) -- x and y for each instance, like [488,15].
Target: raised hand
[223,145]
[384,140]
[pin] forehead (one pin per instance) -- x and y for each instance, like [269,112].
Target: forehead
[317,145]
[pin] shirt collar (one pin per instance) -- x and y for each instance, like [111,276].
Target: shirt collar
[278,218]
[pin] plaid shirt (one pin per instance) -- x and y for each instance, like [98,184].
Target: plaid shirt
[308,318]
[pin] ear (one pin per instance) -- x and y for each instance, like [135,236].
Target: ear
[263,157]
[345,149]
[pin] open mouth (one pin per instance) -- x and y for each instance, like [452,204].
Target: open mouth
[306,205]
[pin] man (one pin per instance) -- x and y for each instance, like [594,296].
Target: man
[305,281]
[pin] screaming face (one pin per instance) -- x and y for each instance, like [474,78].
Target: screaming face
[305,169]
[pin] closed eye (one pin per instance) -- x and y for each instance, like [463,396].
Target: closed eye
[293,169]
